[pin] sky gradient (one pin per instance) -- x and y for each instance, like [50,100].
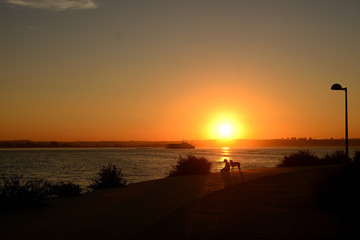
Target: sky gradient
[172,70]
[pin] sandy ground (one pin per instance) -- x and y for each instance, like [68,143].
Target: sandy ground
[272,203]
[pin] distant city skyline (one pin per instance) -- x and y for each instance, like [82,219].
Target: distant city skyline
[217,143]
[152,70]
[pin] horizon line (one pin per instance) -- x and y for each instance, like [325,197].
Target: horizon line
[192,140]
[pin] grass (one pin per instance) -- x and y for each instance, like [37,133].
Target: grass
[190,165]
[108,176]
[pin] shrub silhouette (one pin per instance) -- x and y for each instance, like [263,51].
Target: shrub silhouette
[306,158]
[190,165]
[356,159]
[336,157]
[17,193]
[303,157]
[65,189]
[109,176]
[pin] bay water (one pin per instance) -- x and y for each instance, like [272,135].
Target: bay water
[136,164]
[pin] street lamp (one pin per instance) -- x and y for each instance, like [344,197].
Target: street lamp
[337,86]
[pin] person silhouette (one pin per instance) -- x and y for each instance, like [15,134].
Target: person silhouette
[227,166]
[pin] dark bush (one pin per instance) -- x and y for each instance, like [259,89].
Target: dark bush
[65,189]
[356,159]
[307,158]
[303,157]
[336,157]
[190,165]
[109,176]
[17,193]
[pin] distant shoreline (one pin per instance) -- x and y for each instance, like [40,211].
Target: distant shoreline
[293,142]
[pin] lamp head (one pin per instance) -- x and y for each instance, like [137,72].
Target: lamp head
[337,86]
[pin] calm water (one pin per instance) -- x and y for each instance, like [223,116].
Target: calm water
[137,164]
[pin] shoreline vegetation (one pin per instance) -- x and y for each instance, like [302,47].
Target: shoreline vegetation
[17,192]
[288,142]
[190,165]
[308,158]
[334,191]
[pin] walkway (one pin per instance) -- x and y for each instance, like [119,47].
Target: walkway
[122,213]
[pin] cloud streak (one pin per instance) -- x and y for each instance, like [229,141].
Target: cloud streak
[56,5]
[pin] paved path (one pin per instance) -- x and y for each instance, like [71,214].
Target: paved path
[280,207]
[121,213]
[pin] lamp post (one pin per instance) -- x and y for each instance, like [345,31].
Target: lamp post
[337,86]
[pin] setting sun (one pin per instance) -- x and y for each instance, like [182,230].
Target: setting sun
[225,130]
[225,126]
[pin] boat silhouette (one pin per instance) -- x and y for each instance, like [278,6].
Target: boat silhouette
[182,145]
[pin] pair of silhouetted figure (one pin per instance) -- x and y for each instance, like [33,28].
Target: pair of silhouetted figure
[230,164]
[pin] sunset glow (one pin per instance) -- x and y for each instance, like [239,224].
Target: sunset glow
[140,70]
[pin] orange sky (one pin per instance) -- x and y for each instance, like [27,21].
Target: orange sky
[172,70]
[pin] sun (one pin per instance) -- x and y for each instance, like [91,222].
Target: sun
[225,130]
[226,126]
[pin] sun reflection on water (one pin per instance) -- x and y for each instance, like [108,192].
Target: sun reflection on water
[225,152]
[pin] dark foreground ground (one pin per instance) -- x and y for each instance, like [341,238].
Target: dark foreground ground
[270,204]
[274,207]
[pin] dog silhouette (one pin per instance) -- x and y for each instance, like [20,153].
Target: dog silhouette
[234,164]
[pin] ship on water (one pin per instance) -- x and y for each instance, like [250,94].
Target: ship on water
[183,145]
